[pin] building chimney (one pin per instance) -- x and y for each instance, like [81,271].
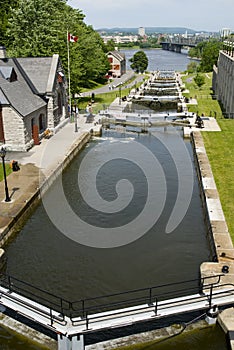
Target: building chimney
[3,52]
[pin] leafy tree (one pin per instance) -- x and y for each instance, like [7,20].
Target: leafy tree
[192,67]
[88,59]
[199,80]
[139,62]
[210,55]
[39,28]
[110,45]
[5,14]
[197,50]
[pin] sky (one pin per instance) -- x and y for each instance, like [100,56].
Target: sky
[207,15]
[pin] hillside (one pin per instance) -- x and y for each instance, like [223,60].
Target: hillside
[150,30]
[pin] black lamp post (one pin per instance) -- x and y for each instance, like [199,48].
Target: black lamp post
[76,128]
[2,155]
[120,93]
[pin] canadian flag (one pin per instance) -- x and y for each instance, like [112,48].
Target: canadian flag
[72,38]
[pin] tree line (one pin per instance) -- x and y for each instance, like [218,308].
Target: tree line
[33,28]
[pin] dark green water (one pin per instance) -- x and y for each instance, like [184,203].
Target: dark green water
[43,257]
[12,341]
[210,338]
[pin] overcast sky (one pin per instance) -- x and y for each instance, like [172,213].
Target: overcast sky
[209,15]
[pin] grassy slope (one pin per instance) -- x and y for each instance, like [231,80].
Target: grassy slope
[219,146]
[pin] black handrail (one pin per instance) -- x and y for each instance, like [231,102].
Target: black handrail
[37,294]
[141,308]
[83,308]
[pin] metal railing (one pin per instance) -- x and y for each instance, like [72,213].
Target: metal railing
[84,310]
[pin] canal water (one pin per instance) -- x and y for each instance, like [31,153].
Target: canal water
[43,255]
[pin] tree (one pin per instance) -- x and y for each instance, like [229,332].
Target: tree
[5,14]
[39,28]
[88,59]
[199,80]
[210,55]
[192,67]
[139,62]
[110,45]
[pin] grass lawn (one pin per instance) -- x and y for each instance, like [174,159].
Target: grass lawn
[102,101]
[219,145]
[8,170]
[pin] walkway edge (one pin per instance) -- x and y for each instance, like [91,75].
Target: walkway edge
[34,198]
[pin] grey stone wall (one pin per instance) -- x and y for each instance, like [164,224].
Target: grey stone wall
[18,129]
[223,83]
[14,132]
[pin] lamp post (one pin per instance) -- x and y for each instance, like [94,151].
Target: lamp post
[2,155]
[120,92]
[76,128]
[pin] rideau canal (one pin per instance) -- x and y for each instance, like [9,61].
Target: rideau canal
[41,255]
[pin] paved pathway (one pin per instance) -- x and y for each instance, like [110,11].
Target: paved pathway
[45,157]
[115,84]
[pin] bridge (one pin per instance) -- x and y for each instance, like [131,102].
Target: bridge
[177,43]
[71,322]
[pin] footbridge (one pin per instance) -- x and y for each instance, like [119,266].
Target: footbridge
[71,322]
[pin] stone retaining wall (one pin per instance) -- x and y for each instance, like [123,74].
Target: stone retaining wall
[15,223]
[218,234]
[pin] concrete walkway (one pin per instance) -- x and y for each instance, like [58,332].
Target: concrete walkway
[45,158]
[116,83]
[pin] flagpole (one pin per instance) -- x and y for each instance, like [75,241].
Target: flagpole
[69,76]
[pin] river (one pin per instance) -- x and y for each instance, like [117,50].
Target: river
[161,59]
[43,256]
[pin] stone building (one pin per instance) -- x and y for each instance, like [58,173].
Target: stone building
[33,99]
[223,79]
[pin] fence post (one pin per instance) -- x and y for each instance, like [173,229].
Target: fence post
[150,296]
[87,321]
[211,293]
[51,317]
[9,282]
[156,307]
[83,309]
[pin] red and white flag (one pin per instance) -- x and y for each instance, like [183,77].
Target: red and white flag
[72,38]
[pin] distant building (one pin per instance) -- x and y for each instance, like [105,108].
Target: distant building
[33,99]
[120,39]
[118,64]
[141,31]
[225,32]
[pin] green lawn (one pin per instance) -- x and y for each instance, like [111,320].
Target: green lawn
[219,145]
[102,101]
[8,170]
